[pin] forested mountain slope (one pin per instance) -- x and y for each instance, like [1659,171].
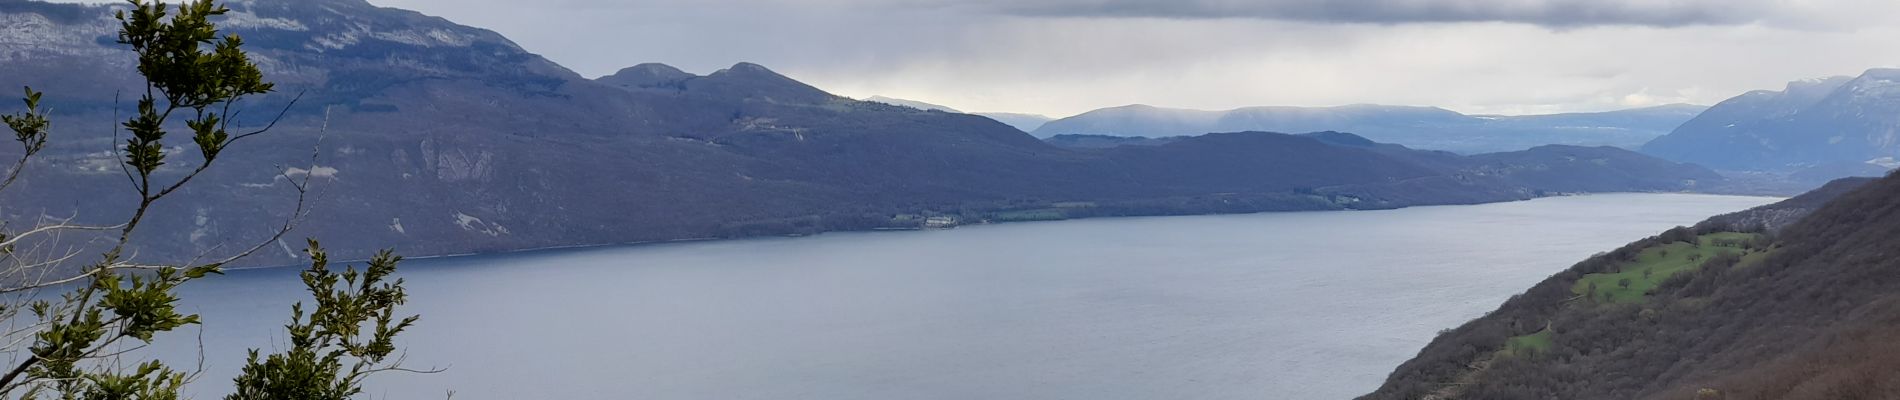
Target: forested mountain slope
[1725,310]
[440,138]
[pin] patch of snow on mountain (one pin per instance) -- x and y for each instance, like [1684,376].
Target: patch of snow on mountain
[316,172]
[20,29]
[240,19]
[1876,86]
[24,36]
[426,38]
[335,41]
[472,224]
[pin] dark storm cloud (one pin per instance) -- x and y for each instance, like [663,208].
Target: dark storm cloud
[1553,13]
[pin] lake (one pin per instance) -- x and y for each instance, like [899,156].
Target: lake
[1317,305]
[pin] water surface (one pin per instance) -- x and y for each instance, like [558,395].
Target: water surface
[1316,305]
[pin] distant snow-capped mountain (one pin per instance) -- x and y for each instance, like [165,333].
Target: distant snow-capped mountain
[1827,127]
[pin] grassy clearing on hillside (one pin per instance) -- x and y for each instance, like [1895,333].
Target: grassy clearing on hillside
[1755,256]
[1529,344]
[1634,280]
[1656,264]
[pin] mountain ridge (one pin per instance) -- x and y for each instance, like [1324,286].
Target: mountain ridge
[1828,127]
[913,104]
[1021,121]
[1423,127]
[469,144]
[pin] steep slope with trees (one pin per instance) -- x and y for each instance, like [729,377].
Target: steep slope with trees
[1803,312]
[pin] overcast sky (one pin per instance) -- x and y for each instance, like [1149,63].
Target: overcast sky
[1061,57]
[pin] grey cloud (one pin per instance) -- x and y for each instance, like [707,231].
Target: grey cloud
[1060,57]
[1552,13]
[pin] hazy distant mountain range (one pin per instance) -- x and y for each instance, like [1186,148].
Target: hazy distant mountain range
[447,139]
[1421,127]
[1106,141]
[1024,122]
[1823,128]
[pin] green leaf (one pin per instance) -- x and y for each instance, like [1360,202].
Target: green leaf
[32,98]
[200,271]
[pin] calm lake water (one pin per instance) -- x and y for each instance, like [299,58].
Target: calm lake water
[1290,305]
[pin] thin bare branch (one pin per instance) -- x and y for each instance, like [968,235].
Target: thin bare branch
[118,156]
[60,227]
[280,117]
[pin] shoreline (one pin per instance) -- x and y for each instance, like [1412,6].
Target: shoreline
[971,225]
